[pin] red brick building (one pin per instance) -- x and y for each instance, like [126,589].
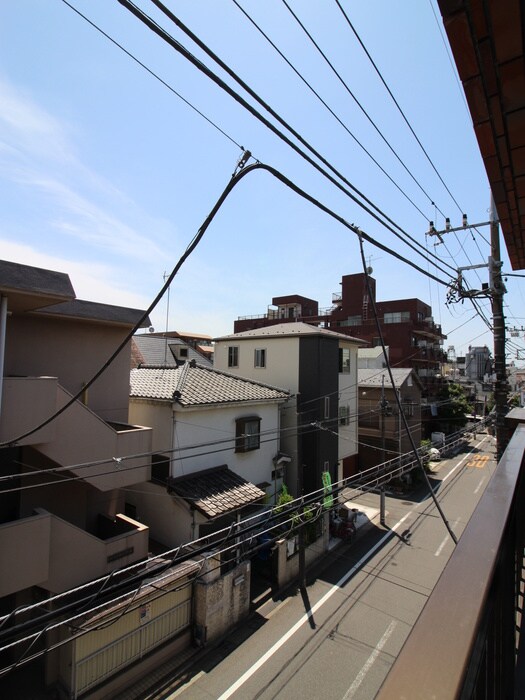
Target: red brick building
[407,325]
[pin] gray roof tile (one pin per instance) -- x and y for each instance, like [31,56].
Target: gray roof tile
[198,385]
[215,492]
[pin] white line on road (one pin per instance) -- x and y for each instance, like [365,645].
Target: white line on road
[446,539]
[265,657]
[300,622]
[370,661]
[463,459]
[479,485]
[440,548]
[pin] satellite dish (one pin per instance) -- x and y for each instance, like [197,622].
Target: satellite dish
[369,270]
[151,329]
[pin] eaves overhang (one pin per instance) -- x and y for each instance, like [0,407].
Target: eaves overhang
[487,39]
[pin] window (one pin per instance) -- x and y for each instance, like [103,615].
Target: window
[247,434]
[327,407]
[233,356]
[260,357]
[396,316]
[183,352]
[344,360]
[344,415]
[408,408]
[352,321]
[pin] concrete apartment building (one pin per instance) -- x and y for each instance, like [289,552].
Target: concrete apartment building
[407,325]
[319,369]
[62,512]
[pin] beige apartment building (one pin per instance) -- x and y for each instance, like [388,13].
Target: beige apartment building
[62,514]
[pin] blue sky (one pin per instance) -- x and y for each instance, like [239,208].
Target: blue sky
[106,174]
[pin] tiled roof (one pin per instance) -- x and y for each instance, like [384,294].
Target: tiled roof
[289,330]
[198,385]
[215,492]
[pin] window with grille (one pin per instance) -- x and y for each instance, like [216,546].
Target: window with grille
[247,434]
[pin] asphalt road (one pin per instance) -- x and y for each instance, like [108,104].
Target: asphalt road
[339,637]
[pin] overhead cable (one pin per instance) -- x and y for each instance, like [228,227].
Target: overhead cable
[163,34]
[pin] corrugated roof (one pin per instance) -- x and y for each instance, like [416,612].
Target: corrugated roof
[160,351]
[215,492]
[289,329]
[199,385]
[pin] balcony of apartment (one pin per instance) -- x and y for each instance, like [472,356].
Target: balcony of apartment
[428,329]
[77,436]
[57,555]
[468,639]
[429,352]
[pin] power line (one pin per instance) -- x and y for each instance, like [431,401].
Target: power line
[358,103]
[235,179]
[325,104]
[163,34]
[397,105]
[155,75]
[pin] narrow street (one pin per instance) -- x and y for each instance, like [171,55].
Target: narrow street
[339,638]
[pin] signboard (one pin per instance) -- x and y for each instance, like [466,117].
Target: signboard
[328,499]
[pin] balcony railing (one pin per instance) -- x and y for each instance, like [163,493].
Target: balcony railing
[55,554]
[464,644]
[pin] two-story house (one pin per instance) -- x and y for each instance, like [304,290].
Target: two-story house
[383,434]
[216,444]
[319,369]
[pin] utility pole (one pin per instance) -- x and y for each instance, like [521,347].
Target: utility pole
[495,291]
[384,405]
[498,290]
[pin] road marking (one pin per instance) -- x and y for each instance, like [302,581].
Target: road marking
[479,485]
[478,462]
[370,661]
[440,548]
[300,622]
[447,537]
[463,459]
[288,635]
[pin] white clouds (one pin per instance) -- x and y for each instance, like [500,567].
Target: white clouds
[76,205]
[30,128]
[94,282]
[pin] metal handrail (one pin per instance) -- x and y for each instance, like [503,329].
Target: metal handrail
[463,644]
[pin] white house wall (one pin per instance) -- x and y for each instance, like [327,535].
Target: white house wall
[198,435]
[282,360]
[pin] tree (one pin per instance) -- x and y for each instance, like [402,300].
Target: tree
[453,407]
